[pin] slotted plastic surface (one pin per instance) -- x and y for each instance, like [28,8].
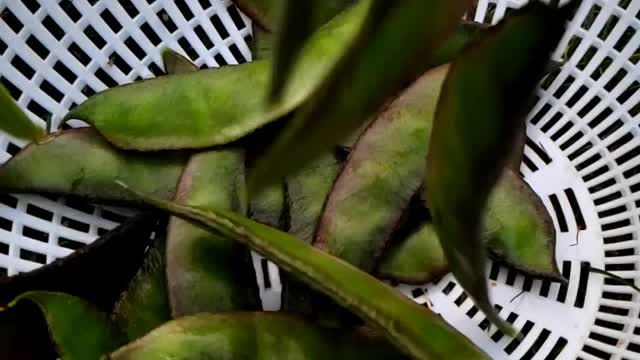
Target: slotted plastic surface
[582,157]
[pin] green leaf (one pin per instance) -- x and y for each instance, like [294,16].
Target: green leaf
[79,331]
[209,272]
[15,122]
[297,21]
[175,63]
[145,304]
[255,336]
[80,162]
[412,328]
[480,110]
[213,106]
[390,49]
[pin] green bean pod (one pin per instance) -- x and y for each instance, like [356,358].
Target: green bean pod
[77,329]
[307,192]
[145,303]
[418,259]
[381,175]
[209,272]
[414,329]
[80,162]
[269,206]
[256,336]
[518,231]
[213,106]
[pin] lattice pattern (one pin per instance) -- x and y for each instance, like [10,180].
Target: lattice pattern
[581,157]
[54,54]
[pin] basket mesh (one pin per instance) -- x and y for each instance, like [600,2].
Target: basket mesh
[581,157]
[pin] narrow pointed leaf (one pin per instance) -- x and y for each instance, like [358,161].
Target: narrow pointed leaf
[79,331]
[210,272]
[175,63]
[297,21]
[382,174]
[145,303]
[480,110]
[214,106]
[80,162]
[396,37]
[259,336]
[412,328]
[15,122]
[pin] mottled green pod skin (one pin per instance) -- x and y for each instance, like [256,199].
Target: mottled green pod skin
[175,63]
[418,259]
[519,229]
[481,108]
[414,329]
[145,303]
[15,122]
[383,172]
[307,192]
[269,205]
[396,36]
[256,336]
[213,106]
[78,330]
[209,272]
[80,162]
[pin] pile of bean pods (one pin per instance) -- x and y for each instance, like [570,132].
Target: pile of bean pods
[370,140]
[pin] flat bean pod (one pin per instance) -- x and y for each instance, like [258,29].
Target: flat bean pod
[256,336]
[210,272]
[418,259]
[213,106]
[80,162]
[518,231]
[381,175]
[519,228]
[414,329]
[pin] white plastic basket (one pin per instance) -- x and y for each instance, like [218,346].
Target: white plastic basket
[582,157]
